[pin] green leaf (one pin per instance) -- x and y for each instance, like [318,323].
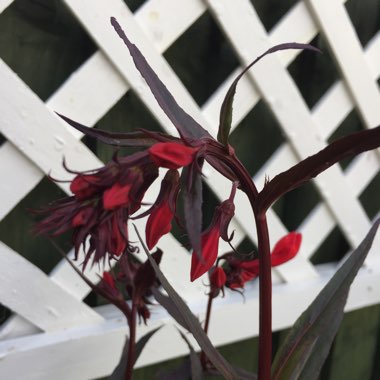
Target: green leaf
[185,124]
[191,321]
[308,342]
[225,118]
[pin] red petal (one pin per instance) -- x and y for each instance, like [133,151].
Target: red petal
[286,248]
[210,244]
[158,224]
[172,155]
[83,186]
[82,217]
[109,280]
[116,196]
[218,277]
[117,242]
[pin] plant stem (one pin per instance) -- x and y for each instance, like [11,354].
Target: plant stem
[265,298]
[132,342]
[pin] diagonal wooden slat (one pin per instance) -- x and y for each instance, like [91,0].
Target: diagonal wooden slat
[33,295]
[289,108]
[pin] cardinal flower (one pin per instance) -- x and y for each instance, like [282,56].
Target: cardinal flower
[203,261]
[172,155]
[162,212]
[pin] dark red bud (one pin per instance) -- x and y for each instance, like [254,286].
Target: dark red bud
[172,155]
[286,248]
[116,196]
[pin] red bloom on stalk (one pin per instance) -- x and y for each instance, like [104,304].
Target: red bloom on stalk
[162,212]
[84,186]
[172,155]
[239,272]
[101,206]
[116,196]
[203,261]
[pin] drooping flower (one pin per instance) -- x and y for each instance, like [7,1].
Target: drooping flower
[172,155]
[218,279]
[162,212]
[98,211]
[203,261]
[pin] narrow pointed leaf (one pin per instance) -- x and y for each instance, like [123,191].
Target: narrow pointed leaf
[119,372]
[310,167]
[167,303]
[185,124]
[192,196]
[132,139]
[196,366]
[191,321]
[225,118]
[143,341]
[308,343]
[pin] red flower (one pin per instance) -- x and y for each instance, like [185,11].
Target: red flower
[161,214]
[116,196]
[210,244]
[201,263]
[84,186]
[82,217]
[172,155]
[286,248]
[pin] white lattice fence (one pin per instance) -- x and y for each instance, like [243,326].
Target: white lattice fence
[53,333]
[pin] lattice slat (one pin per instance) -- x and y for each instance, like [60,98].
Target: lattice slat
[154,27]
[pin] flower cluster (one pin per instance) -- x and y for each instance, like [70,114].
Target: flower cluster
[234,273]
[103,200]
[131,278]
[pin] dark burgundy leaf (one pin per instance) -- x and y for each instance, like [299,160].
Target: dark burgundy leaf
[196,366]
[132,139]
[185,124]
[191,321]
[309,168]
[192,196]
[225,117]
[168,304]
[119,372]
[308,343]
[143,341]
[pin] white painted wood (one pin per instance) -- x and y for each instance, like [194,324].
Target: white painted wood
[154,27]
[94,351]
[338,30]
[37,132]
[4,4]
[249,39]
[28,291]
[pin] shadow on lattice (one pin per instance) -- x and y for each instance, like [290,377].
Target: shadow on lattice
[314,73]
[202,58]
[43,29]
[365,17]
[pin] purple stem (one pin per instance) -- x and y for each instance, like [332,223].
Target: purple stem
[132,342]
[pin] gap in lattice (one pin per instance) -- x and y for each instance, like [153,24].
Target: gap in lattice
[350,124]
[202,58]
[257,137]
[5,313]
[314,73]
[271,11]
[2,139]
[333,248]
[370,197]
[133,5]
[43,43]
[295,206]
[128,114]
[365,17]
[16,229]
